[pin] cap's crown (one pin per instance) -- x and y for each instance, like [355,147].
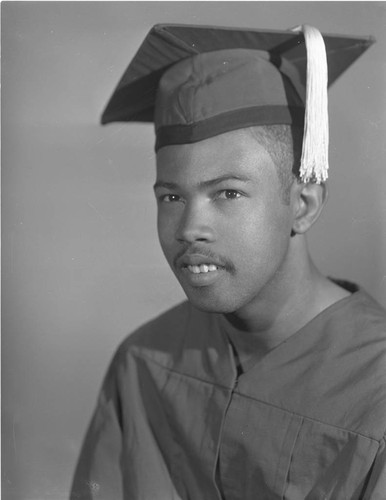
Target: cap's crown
[167,44]
[215,92]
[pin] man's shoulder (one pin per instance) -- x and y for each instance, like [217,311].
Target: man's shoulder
[364,314]
[164,337]
[161,328]
[353,372]
[356,331]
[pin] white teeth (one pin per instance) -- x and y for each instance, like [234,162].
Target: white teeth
[203,268]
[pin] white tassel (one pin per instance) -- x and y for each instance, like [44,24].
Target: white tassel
[314,160]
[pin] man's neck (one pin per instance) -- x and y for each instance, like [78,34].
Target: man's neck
[292,303]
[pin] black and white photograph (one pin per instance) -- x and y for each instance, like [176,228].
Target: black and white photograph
[193,250]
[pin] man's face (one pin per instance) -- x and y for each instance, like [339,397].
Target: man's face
[222,224]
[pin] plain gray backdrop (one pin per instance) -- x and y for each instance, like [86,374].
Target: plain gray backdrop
[81,262]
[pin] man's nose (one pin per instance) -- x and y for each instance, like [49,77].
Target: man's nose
[195,224]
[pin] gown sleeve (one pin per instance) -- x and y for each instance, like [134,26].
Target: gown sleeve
[98,474]
[376,486]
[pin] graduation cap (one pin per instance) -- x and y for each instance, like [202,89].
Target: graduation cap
[195,82]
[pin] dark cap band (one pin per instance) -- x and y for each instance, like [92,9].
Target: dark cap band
[232,120]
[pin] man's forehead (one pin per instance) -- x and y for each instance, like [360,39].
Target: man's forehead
[235,154]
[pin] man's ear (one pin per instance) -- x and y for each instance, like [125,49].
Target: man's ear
[309,200]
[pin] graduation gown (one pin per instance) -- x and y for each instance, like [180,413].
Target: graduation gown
[174,421]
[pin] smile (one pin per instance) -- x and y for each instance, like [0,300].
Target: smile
[203,268]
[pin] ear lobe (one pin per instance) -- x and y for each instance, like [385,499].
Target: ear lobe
[310,200]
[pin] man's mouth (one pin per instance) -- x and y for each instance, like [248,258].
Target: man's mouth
[202,268]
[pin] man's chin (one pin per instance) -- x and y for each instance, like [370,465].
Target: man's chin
[210,303]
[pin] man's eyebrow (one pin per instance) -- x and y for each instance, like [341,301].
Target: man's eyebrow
[167,185]
[208,183]
[224,178]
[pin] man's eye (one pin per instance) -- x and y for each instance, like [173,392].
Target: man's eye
[169,198]
[229,194]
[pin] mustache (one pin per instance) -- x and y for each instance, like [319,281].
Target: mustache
[204,252]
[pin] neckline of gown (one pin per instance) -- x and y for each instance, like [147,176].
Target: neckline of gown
[245,368]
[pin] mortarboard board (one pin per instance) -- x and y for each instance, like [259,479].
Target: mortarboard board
[230,78]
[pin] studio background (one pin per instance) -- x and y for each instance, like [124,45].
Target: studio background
[81,262]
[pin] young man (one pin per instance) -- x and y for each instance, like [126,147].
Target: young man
[270,381]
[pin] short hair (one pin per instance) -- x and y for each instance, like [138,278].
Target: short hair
[284,145]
